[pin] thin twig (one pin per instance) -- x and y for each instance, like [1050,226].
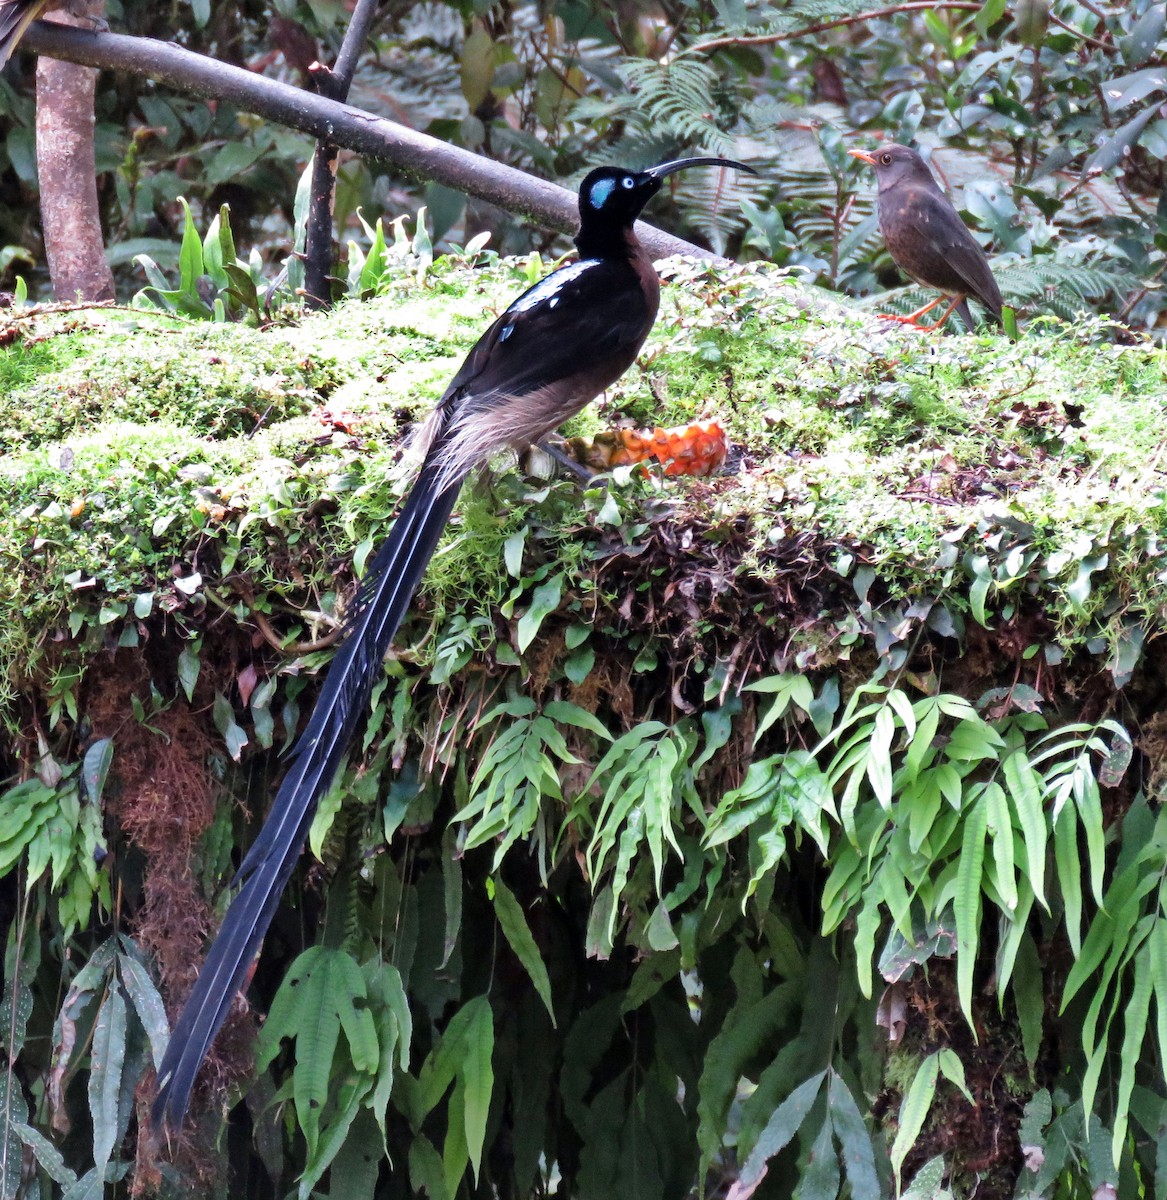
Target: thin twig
[547,62]
[1092,41]
[1139,293]
[768,39]
[355,38]
[1096,11]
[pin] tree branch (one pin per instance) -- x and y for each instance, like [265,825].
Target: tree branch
[413,153]
[769,39]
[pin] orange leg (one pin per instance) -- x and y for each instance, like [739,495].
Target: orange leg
[947,313]
[913,319]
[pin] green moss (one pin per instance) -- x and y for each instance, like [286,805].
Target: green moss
[139,452]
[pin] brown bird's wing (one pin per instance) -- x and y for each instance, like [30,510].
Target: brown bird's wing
[948,257]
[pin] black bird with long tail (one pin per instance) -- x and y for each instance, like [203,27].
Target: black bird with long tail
[559,345]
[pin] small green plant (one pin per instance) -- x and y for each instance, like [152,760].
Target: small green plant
[213,284]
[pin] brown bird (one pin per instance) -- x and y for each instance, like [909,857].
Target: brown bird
[17,15]
[927,239]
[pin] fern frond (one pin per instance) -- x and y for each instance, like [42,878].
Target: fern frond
[678,101]
[1066,289]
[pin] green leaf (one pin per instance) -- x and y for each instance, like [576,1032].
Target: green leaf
[1113,149]
[288,1010]
[1069,876]
[953,1070]
[95,768]
[782,1126]
[578,665]
[867,924]
[346,987]
[316,1042]
[1157,945]
[358,1162]
[147,1004]
[879,772]
[426,1172]
[444,1062]
[105,1075]
[190,265]
[91,1186]
[747,1029]
[820,1180]
[518,935]
[451,892]
[51,1160]
[323,992]
[1029,994]
[512,552]
[914,1109]
[224,718]
[324,817]
[1000,826]
[967,904]
[394,1029]
[188,667]
[353,1091]
[1089,806]
[788,690]
[566,713]
[478,1074]
[243,291]
[1108,930]
[1024,787]
[544,602]
[858,1152]
[991,12]
[1134,1033]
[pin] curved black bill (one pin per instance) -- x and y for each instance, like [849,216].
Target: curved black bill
[679,164]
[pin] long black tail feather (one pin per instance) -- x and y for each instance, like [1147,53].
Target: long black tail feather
[384,597]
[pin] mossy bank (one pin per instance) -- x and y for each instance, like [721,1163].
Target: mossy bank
[748,748]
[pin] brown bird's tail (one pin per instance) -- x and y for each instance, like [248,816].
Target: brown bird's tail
[384,597]
[992,313]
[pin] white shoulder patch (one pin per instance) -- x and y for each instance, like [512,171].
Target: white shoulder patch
[549,288]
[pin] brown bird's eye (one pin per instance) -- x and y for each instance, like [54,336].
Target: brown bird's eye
[885,159]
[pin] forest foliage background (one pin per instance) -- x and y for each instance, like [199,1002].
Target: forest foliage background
[738,841]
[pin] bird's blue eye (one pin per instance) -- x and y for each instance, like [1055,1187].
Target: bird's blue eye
[601,190]
[627,182]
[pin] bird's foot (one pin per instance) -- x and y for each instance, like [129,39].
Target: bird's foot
[900,319]
[913,319]
[563,459]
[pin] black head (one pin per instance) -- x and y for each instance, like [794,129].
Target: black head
[895,165]
[611,198]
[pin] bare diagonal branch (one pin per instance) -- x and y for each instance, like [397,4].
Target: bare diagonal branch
[414,153]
